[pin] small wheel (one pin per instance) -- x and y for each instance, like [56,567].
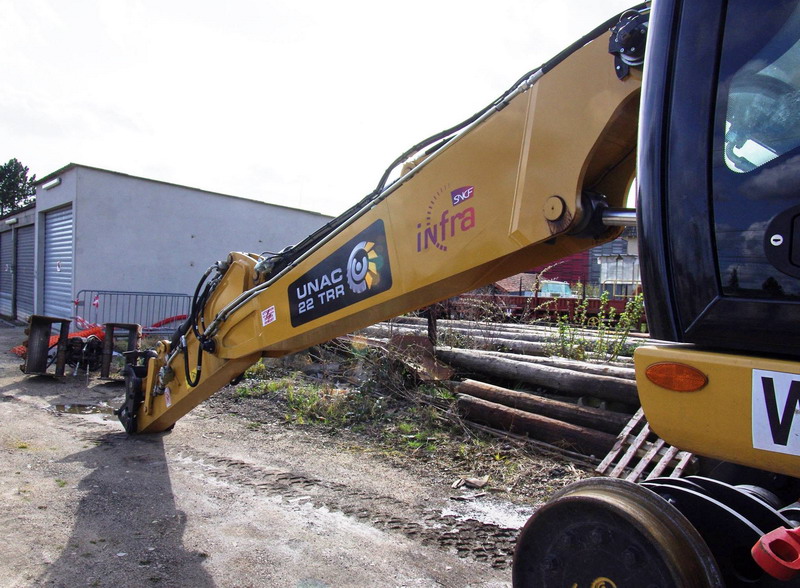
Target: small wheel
[608,533]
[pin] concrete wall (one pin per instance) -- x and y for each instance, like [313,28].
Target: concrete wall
[135,234]
[24,218]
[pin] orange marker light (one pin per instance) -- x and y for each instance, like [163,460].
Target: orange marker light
[677,377]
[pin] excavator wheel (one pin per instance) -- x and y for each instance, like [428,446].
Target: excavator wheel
[608,533]
[731,520]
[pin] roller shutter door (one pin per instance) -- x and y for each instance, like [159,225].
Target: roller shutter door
[26,263]
[58,264]
[6,272]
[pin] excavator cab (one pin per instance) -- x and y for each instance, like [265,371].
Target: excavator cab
[718,173]
[719,226]
[719,214]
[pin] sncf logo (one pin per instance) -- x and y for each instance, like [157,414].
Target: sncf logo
[443,223]
[462,194]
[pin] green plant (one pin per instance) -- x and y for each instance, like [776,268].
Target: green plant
[420,431]
[336,407]
[260,384]
[452,338]
[629,320]
[603,336]
[251,389]
[435,392]
[257,371]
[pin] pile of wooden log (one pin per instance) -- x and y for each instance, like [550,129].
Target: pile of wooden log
[578,406]
[528,339]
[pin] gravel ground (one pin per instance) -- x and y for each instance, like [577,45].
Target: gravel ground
[218,502]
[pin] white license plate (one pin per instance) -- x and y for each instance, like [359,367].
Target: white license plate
[776,411]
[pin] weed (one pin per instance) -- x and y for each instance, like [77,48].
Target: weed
[451,338]
[405,428]
[254,388]
[21,445]
[603,336]
[251,389]
[60,483]
[257,371]
[336,407]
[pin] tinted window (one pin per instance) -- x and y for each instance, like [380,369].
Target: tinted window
[756,163]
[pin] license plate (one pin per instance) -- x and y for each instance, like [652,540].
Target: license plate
[776,411]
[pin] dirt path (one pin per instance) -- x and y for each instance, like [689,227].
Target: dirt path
[215,503]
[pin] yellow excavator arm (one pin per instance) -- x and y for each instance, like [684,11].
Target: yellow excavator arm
[523,184]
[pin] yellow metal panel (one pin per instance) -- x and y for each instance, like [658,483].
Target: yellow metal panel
[740,416]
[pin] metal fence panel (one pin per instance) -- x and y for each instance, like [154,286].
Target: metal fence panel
[157,312]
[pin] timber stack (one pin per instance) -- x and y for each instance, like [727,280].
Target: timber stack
[575,406]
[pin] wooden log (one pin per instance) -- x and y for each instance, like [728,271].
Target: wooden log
[585,367]
[582,439]
[594,418]
[520,346]
[454,324]
[485,330]
[536,348]
[498,334]
[525,328]
[567,382]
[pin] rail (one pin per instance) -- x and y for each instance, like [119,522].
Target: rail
[157,312]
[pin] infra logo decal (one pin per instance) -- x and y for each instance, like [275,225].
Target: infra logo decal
[443,222]
[362,270]
[355,271]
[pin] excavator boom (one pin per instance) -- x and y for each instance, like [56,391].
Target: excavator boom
[522,185]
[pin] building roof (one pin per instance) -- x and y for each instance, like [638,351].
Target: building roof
[518,283]
[70,166]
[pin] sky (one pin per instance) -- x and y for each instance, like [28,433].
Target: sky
[301,103]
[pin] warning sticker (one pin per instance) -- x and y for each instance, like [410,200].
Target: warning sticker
[268,316]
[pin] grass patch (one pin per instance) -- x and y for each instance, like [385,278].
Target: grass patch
[374,405]
[335,407]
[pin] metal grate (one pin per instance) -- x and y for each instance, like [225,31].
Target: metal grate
[157,312]
[639,454]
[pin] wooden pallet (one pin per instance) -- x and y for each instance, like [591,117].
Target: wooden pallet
[655,457]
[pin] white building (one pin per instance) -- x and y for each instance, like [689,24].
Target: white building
[96,230]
